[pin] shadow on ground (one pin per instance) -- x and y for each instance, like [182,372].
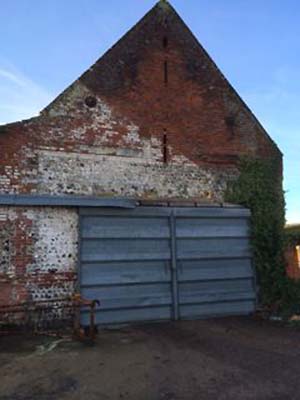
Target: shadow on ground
[229,358]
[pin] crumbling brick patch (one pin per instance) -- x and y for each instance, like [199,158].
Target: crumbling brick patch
[5,249]
[40,247]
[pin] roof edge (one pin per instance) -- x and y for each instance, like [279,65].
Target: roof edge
[4,128]
[65,201]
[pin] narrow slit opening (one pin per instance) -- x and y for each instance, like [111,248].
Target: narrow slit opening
[165,42]
[165,147]
[166,77]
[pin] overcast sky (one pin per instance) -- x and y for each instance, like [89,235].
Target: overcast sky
[45,45]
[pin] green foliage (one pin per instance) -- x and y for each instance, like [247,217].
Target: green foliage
[259,187]
[292,234]
[290,300]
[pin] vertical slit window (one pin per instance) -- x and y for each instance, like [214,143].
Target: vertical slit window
[165,42]
[165,147]
[166,77]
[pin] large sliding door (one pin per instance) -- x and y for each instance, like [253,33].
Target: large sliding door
[161,263]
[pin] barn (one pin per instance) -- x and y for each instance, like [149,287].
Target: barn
[117,189]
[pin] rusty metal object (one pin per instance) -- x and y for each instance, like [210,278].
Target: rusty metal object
[92,319]
[79,332]
[33,316]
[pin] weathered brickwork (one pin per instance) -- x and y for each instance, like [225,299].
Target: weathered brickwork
[40,254]
[153,119]
[5,248]
[100,175]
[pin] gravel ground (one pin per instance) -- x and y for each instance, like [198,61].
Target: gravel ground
[229,358]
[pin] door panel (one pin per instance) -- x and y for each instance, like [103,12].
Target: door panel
[215,274]
[125,263]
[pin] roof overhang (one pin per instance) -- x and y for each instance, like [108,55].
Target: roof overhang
[65,201]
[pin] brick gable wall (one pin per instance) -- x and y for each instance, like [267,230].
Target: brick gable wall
[153,119]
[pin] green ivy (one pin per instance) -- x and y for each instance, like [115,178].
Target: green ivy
[259,188]
[292,234]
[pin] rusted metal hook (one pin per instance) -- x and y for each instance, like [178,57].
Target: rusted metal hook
[90,332]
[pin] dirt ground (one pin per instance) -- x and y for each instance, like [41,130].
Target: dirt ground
[230,358]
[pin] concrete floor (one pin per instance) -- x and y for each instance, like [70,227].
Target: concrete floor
[230,358]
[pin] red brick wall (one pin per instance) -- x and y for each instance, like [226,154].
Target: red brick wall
[293,267]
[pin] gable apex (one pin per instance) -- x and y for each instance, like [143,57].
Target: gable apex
[118,69]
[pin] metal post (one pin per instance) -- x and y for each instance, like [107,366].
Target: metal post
[174,266]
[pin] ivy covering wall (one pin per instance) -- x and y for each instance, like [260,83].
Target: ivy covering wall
[292,234]
[259,187]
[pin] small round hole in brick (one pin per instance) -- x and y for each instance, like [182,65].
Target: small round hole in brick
[90,101]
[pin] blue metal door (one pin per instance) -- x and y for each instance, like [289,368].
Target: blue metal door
[161,263]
